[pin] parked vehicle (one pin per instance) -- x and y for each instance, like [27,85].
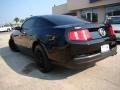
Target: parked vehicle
[115,23]
[63,40]
[5,28]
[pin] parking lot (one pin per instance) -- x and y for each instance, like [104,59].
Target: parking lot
[19,72]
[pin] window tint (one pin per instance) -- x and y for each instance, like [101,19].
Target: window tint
[28,24]
[39,22]
[64,19]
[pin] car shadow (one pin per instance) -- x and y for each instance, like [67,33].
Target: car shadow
[25,65]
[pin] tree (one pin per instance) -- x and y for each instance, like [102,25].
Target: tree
[22,21]
[16,19]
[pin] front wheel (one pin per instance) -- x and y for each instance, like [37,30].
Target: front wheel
[42,59]
[13,46]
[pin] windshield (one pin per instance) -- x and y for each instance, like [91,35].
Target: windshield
[114,20]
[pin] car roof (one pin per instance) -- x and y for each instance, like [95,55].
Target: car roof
[60,19]
[48,16]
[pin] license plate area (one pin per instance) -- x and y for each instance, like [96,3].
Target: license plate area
[105,48]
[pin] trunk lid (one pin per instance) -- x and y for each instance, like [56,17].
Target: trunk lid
[97,31]
[101,40]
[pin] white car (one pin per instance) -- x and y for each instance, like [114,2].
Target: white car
[115,23]
[4,28]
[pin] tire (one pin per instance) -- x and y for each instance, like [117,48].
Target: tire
[12,46]
[8,30]
[41,59]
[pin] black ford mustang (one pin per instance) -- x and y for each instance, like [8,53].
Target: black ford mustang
[64,40]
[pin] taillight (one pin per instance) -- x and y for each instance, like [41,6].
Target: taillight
[79,35]
[111,31]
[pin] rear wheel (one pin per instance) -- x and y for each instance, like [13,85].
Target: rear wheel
[42,59]
[13,46]
[8,30]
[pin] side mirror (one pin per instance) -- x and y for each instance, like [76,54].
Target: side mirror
[17,28]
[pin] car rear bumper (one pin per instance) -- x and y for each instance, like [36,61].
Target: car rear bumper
[79,61]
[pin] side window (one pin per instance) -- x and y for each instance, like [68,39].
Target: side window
[39,22]
[28,24]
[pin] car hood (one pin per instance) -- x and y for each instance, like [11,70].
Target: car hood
[116,26]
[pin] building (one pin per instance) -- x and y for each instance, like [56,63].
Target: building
[91,10]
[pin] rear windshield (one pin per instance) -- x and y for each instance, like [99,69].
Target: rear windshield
[65,19]
[114,20]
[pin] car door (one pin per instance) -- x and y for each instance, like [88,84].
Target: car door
[45,31]
[26,35]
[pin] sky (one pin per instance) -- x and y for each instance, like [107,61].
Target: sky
[9,9]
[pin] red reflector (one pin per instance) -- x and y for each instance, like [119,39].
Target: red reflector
[79,35]
[112,32]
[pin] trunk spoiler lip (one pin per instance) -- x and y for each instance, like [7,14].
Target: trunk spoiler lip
[84,25]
